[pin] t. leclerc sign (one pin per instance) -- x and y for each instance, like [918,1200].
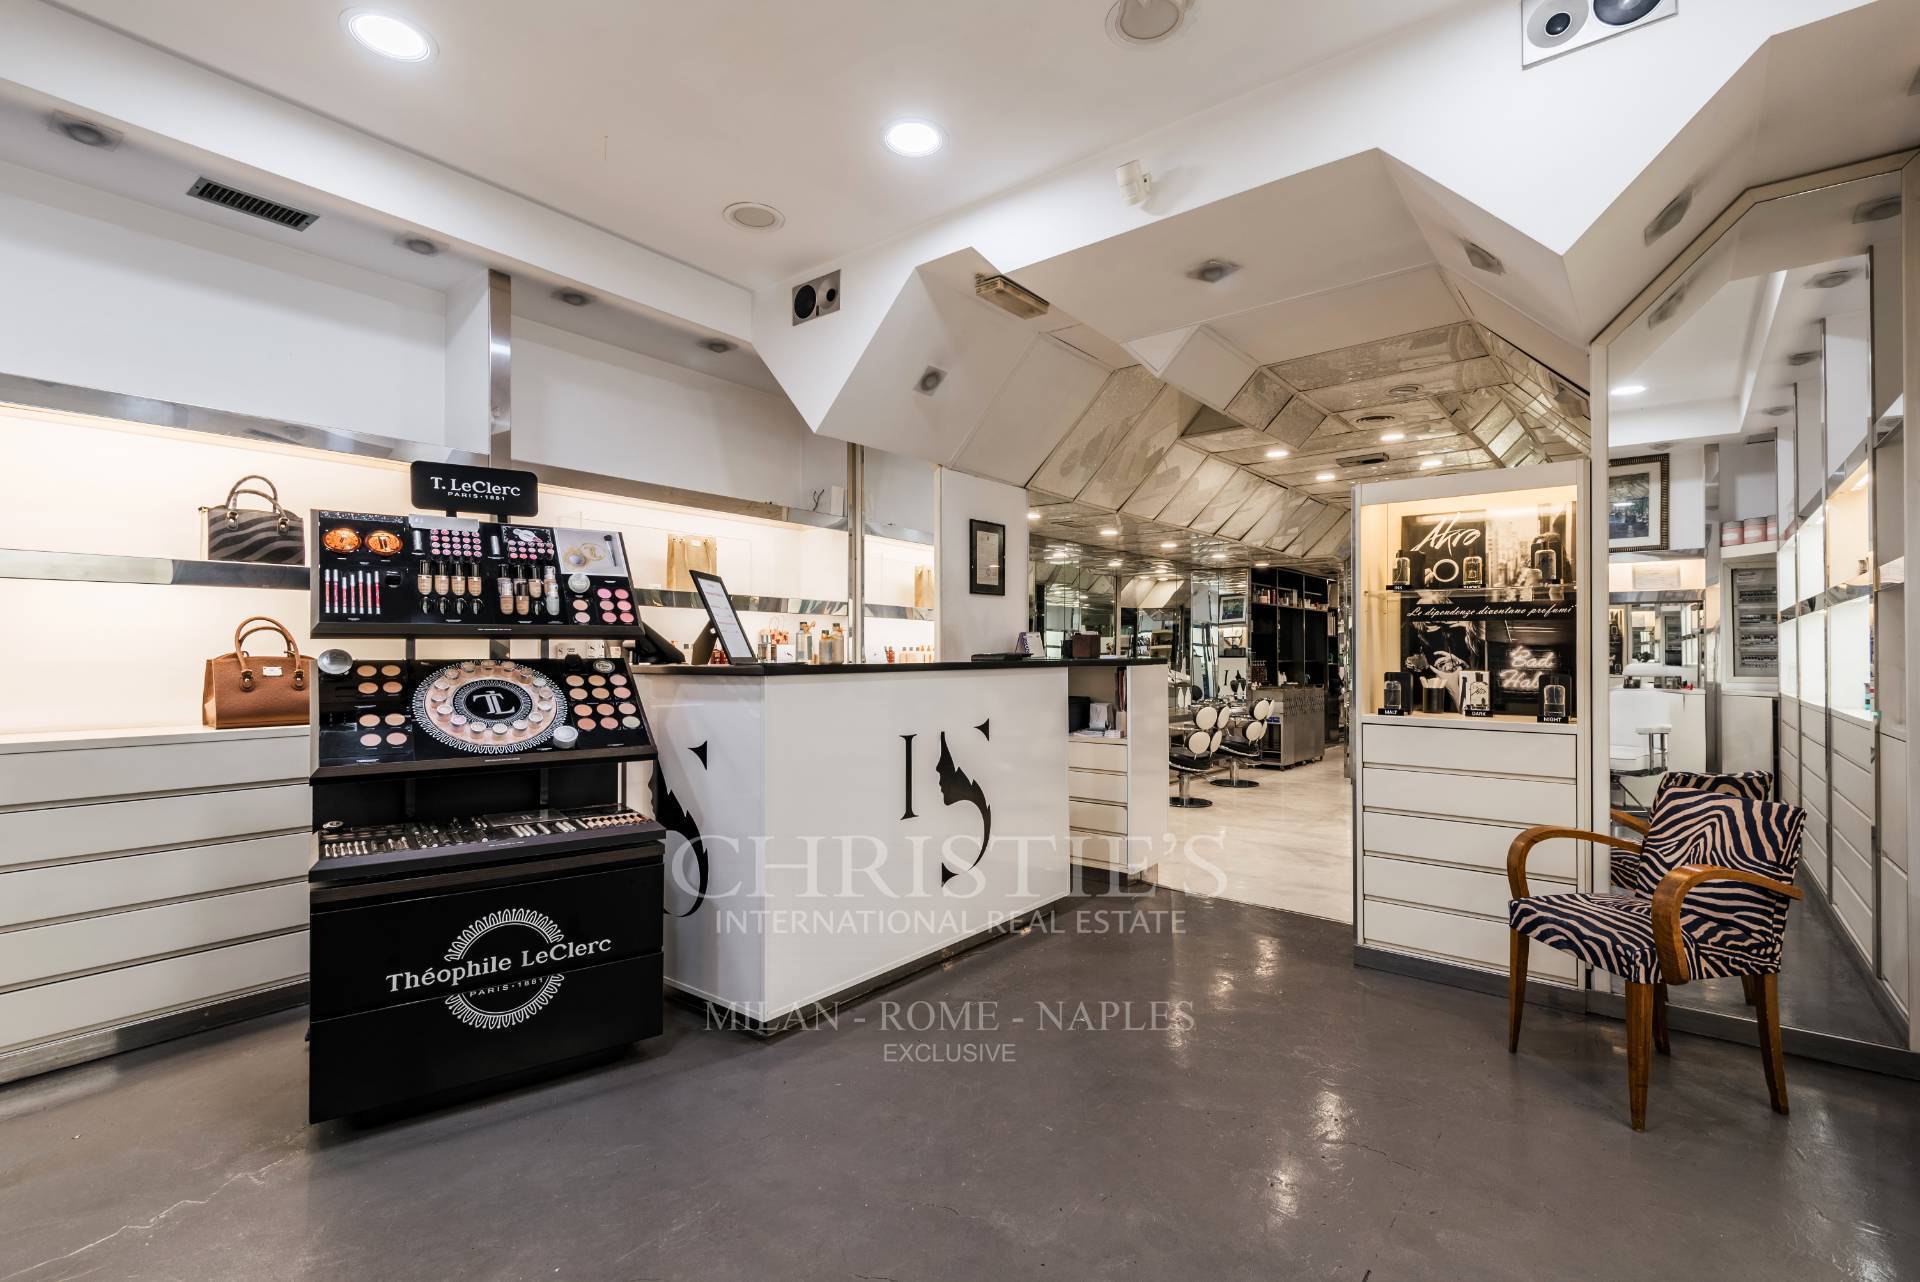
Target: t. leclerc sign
[451,487]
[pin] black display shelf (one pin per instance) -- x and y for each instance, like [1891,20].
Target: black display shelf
[457,765]
[325,631]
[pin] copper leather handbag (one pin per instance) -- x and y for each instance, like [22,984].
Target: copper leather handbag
[248,690]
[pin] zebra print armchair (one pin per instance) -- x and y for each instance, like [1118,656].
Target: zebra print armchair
[1629,871]
[1719,868]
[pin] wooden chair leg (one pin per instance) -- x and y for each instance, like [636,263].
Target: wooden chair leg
[1771,1056]
[1639,1050]
[1516,988]
[1750,984]
[1660,1040]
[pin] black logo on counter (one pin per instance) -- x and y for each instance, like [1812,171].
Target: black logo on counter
[675,818]
[454,487]
[956,786]
[487,962]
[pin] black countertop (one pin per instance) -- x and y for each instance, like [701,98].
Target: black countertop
[835,669]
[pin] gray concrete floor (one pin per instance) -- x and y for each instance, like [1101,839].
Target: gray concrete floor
[1311,1120]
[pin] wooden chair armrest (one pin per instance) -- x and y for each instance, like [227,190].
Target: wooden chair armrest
[1671,893]
[1523,846]
[1639,823]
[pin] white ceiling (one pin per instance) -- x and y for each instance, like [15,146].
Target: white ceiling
[647,119]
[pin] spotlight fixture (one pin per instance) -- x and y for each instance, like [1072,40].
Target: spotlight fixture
[84,132]
[388,36]
[1392,438]
[718,346]
[1213,271]
[1033,516]
[1404,390]
[419,245]
[1428,464]
[1878,211]
[1630,389]
[1483,259]
[1325,476]
[1832,280]
[1115,564]
[1669,217]
[1803,358]
[1219,556]
[1278,453]
[1010,296]
[1109,533]
[929,381]
[1169,545]
[913,138]
[1146,22]
[1261,565]
[753,216]
[573,297]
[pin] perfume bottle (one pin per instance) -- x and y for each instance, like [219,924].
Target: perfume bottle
[1546,553]
[1392,700]
[1553,702]
[1403,569]
[1473,572]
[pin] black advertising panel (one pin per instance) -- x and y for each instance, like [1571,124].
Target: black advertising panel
[454,487]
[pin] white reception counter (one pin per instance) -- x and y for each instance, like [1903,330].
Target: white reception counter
[831,828]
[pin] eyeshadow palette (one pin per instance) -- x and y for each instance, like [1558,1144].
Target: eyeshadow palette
[434,575]
[384,849]
[373,713]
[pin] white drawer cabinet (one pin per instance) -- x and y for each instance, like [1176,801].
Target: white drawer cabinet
[144,875]
[1524,802]
[1097,785]
[1454,841]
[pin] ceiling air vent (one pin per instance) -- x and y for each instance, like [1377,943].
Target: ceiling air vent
[1362,460]
[245,202]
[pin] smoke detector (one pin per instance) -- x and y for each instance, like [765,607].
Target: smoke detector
[929,381]
[1138,23]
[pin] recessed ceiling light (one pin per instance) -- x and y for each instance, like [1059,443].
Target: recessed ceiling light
[1630,389]
[573,297]
[1033,516]
[1405,389]
[1109,533]
[1146,22]
[1775,411]
[1669,217]
[1831,280]
[419,245]
[718,346]
[85,132]
[753,215]
[1427,464]
[1878,211]
[1392,438]
[1261,565]
[388,36]
[1325,476]
[1219,556]
[1482,259]
[1375,419]
[1276,453]
[1169,545]
[913,138]
[1214,270]
[1115,564]
[1803,358]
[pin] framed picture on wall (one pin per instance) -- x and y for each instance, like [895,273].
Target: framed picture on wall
[986,558]
[1637,504]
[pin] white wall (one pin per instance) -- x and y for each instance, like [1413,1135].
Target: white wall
[584,404]
[900,490]
[108,293]
[972,624]
[1747,482]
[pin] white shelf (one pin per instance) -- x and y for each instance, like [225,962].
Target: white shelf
[60,740]
[1459,720]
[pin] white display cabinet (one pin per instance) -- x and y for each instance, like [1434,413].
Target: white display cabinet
[1440,791]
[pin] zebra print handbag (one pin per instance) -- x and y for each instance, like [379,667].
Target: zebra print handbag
[271,537]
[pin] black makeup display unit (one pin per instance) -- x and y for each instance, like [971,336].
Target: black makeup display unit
[484,907]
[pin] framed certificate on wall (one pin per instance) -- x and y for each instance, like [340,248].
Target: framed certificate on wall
[986,558]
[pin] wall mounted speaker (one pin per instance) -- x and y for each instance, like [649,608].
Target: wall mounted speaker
[1550,28]
[816,298]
